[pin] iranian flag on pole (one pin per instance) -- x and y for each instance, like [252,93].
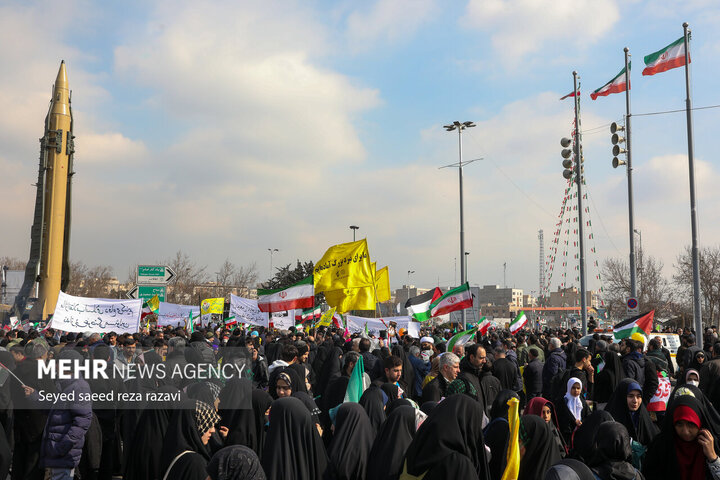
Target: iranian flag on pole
[672,56]
[519,322]
[571,94]
[616,85]
[483,326]
[458,298]
[299,295]
[461,338]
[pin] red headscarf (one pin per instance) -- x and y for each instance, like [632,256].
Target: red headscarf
[690,456]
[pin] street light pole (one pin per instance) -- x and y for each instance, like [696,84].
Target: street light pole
[579,179]
[640,252]
[271,250]
[407,287]
[354,228]
[460,127]
[628,157]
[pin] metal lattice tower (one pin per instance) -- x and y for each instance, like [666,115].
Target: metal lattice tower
[541,264]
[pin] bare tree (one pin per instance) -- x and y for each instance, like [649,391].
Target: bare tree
[13,263]
[709,281]
[94,282]
[655,292]
[188,276]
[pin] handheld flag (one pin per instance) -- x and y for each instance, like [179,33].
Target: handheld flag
[512,467]
[298,295]
[458,298]
[461,338]
[356,384]
[419,307]
[641,324]
[616,85]
[519,322]
[212,305]
[483,326]
[326,318]
[346,265]
[672,56]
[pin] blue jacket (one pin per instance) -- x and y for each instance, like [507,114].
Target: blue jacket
[67,424]
[556,362]
[421,370]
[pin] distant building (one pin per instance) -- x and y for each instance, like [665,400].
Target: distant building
[494,295]
[407,291]
[570,297]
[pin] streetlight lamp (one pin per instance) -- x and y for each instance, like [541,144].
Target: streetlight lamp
[460,127]
[272,250]
[353,228]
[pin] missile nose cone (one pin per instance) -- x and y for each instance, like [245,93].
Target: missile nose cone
[61,81]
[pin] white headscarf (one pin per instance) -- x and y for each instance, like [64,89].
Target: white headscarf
[574,403]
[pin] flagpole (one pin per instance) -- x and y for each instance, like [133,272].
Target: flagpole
[697,311]
[578,179]
[631,213]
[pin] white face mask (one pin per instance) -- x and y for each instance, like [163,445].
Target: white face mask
[694,383]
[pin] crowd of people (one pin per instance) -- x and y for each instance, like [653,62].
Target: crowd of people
[593,412]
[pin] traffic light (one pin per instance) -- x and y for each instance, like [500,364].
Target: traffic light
[616,141]
[566,154]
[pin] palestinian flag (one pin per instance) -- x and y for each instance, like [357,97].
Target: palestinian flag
[299,295]
[639,324]
[313,313]
[461,338]
[672,56]
[616,85]
[458,298]
[419,307]
[519,322]
[571,94]
[484,326]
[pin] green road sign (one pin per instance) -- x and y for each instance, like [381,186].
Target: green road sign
[154,274]
[146,292]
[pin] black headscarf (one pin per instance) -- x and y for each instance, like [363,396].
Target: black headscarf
[449,443]
[617,407]
[295,448]
[351,443]
[261,401]
[582,444]
[569,469]
[373,401]
[391,390]
[497,432]
[236,413]
[408,372]
[400,402]
[661,458]
[309,404]
[286,373]
[607,380]
[183,434]
[145,448]
[331,369]
[391,443]
[612,453]
[206,392]
[428,407]
[235,463]
[540,449]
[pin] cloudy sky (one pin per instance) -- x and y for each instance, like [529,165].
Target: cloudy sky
[226,128]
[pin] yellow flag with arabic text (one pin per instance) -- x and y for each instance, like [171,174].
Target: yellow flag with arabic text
[326,318]
[346,265]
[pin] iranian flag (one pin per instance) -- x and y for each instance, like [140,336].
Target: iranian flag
[484,326]
[313,313]
[458,298]
[419,307]
[231,321]
[461,338]
[571,94]
[639,324]
[299,295]
[672,56]
[519,322]
[616,85]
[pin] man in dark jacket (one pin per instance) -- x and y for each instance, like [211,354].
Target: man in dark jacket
[29,420]
[470,369]
[532,375]
[639,368]
[710,370]
[555,363]
[369,360]
[437,388]
[67,424]
[505,370]
[656,356]
[421,370]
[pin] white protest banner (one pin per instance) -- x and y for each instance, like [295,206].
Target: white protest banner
[101,315]
[246,310]
[175,315]
[413,329]
[283,320]
[374,325]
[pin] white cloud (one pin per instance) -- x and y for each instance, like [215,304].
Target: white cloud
[522,27]
[387,22]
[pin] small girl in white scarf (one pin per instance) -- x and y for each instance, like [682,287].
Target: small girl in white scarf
[573,400]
